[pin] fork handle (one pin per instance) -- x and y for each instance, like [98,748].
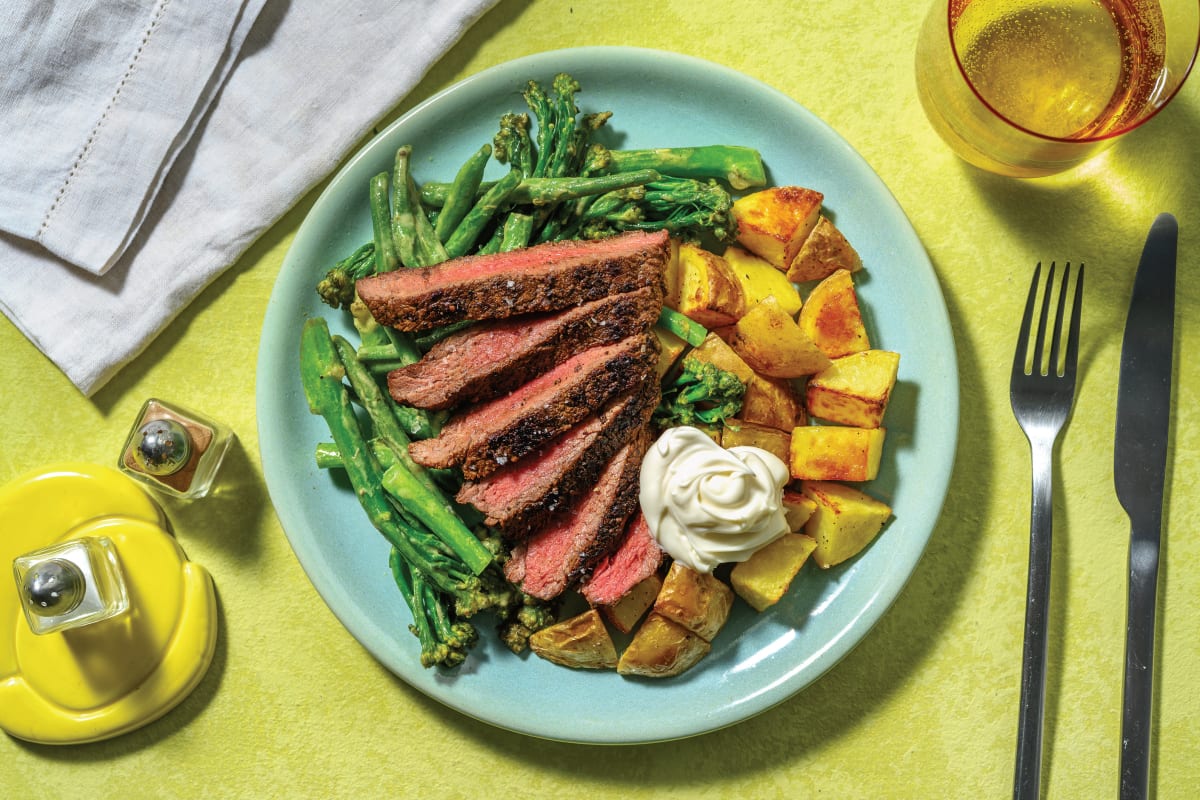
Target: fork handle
[1137,698]
[1027,781]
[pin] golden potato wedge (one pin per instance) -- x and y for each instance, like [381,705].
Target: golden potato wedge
[715,351]
[698,601]
[581,641]
[708,291]
[671,275]
[835,453]
[670,348]
[773,223]
[854,389]
[765,577]
[661,648]
[739,433]
[625,613]
[846,521]
[797,508]
[824,251]
[773,402]
[771,342]
[760,279]
[831,317]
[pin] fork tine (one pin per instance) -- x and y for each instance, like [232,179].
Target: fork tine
[1073,336]
[1056,338]
[1026,323]
[1040,345]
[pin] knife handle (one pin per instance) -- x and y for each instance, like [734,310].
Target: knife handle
[1137,702]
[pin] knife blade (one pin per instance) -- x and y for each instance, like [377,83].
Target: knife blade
[1139,473]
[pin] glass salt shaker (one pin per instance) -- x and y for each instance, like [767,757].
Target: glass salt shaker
[174,450]
[71,584]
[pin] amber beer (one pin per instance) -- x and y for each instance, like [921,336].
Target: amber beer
[1031,87]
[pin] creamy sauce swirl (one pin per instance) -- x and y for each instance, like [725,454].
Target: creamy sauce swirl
[707,505]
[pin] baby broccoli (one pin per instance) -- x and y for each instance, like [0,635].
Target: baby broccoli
[701,393]
[337,287]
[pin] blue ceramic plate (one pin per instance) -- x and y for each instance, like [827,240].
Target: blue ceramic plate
[658,99]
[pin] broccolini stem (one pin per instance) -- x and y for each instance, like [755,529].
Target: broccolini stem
[740,167]
[543,112]
[518,228]
[550,191]
[321,373]
[385,250]
[682,326]
[467,233]
[462,193]
[431,508]
[404,224]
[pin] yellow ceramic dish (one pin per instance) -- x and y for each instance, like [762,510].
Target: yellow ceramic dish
[107,678]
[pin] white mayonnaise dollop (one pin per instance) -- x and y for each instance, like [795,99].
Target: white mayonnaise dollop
[707,505]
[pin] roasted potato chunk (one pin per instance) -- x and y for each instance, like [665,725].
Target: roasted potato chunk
[771,342]
[835,453]
[797,508]
[708,291]
[739,433]
[831,317]
[845,521]
[774,223]
[670,348]
[760,279]
[854,389]
[825,251]
[765,577]
[581,641]
[625,613]
[715,351]
[661,648]
[772,402]
[698,601]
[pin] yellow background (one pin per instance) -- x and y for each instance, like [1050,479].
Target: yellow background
[925,707]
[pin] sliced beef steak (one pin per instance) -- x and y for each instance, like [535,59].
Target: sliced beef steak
[494,358]
[636,558]
[545,277]
[566,550]
[518,497]
[504,430]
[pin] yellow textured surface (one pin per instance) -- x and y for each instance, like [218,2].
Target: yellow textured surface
[925,707]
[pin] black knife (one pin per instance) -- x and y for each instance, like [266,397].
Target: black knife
[1140,465]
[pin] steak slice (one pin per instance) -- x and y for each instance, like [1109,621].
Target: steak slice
[494,433]
[518,497]
[636,558]
[577,538]
[545,277]
[491,359]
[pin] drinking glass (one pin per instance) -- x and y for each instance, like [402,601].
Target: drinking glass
[1033,87]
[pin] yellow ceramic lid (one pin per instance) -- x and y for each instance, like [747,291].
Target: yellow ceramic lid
[103,679]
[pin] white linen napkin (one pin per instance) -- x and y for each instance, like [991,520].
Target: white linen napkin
[130,187]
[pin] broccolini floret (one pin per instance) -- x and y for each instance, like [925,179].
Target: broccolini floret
[701,394]
[337,287]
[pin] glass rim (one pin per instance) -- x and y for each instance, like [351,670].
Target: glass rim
[1047,137]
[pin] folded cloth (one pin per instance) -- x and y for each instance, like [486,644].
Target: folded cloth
[275,106]
[99,98]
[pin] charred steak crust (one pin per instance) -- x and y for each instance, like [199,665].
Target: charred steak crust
[506,429]
[612,526]
[519,497]
[545,277]
[567,548]
[491,359]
